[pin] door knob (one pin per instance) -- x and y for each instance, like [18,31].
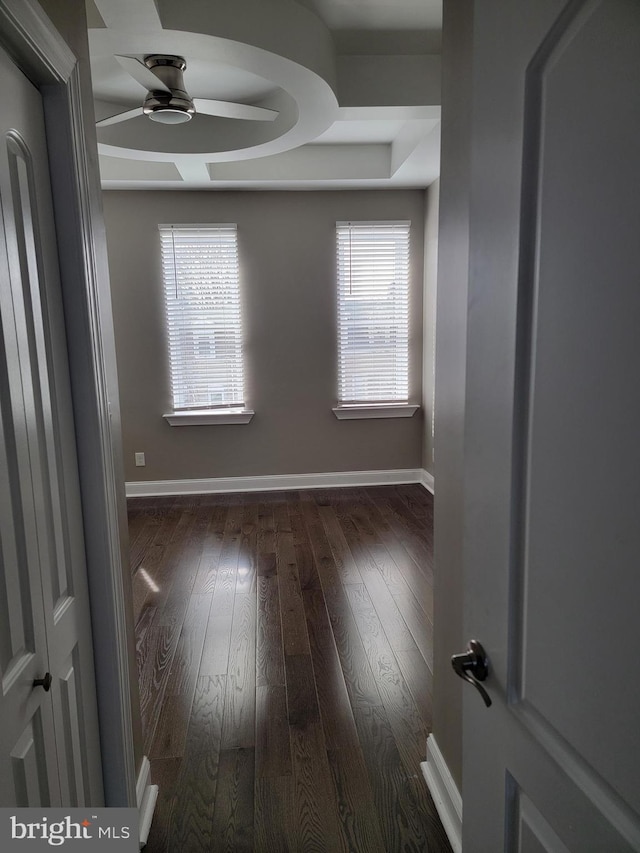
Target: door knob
[45,682]
[473,666]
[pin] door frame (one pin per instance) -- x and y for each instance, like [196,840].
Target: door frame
[29,37]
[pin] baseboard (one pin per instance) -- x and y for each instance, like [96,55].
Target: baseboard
[274,483]
[146,795]
[445,793]
[426,480]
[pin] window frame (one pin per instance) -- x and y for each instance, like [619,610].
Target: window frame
[359,409]
[228,412]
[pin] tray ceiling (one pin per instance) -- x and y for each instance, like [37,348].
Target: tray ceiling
[355,85]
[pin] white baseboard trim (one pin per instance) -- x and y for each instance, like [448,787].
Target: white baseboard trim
[445,793]
[426,480]
[274,483]
[147,795]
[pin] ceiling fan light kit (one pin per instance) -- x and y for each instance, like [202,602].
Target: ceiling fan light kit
[168,115]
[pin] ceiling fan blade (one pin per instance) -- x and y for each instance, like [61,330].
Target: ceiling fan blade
[142,74]
[118,117]
[227,109]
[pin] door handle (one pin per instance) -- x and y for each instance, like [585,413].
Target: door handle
[473,666]
[45,682]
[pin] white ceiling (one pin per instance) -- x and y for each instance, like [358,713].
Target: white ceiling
[355,83]
[378,14]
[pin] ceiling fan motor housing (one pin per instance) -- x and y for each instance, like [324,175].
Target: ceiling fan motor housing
[171,107]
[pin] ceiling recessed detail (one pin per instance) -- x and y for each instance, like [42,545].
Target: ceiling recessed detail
[250,80]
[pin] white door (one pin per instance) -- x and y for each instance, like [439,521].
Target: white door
[49,747]
[552,448]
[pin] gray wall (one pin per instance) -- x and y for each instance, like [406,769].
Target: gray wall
[451,323]
[432,197]
[287,255]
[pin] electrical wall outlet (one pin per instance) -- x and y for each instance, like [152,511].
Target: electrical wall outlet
[140,460]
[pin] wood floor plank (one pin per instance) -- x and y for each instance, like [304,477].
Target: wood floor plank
[281,515]
[410,507]
[142,539]
[197,784]
[274,818]
[142,629]
[294,630]
[273,747]
[406,528]
[417,576]
[238,729]
[186,661]
[380,576]
[211,548]
[141,593]
[160,649]
[387,775]
[307,571]
[405,721]
[327,568]
[376,535]
[232,826]
[345,563]
[419,679]
[215,653]
[231,540]
[247,558]
[266,528]
[269,649]
[266,545]
[282,643]
[357,810]
[358,675]
[175,574]
[165,773]
[135,519]
[155,572]
[296,520]
[302,699]
[188,555]
[420,504]
[317,825]
[390,615]
[418,623]
[155,525]
[171,732]
[331,690]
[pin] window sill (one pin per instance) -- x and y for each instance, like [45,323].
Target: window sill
[206,417]
[380,410]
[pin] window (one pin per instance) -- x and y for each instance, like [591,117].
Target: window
[373,319]
[202,300]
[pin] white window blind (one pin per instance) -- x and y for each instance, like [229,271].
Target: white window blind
[202,299]
[373,312]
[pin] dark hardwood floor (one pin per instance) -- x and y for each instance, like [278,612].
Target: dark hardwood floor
[284,652]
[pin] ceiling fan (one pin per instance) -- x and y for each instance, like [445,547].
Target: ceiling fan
[167,100]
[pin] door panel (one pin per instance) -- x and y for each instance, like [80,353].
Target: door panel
[553,402]
[29,257]
[75,780]
[30,767]
[578,544]
[42,496]
[16,616]
[532,832]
